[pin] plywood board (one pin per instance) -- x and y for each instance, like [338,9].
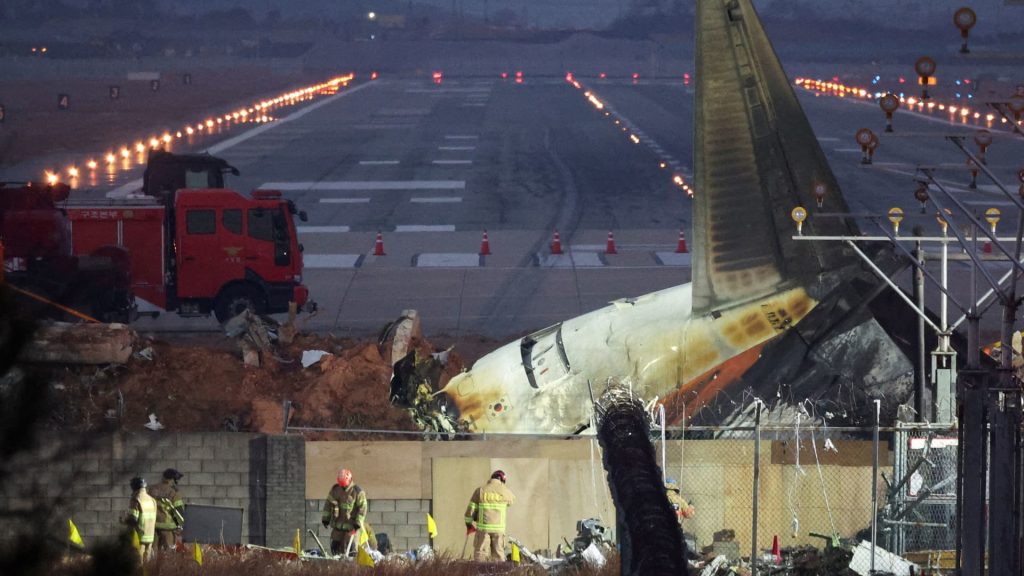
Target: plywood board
[847,453]
[454,480]
[578,491]
[528,480]
[382,469]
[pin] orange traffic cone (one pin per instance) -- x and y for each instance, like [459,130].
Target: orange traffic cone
[485,245]
[556,244]
[378,246]
[776,553]
[681,248]
[610,247]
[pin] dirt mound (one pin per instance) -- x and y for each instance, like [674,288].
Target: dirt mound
[202,385]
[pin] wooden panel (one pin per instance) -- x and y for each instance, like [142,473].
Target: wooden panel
[454,480]
[528,480]
[382,469]
[578,491]
[847,453]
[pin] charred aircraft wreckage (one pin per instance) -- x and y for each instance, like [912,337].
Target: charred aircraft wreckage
[764,317]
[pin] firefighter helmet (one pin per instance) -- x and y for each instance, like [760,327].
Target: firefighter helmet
[499,475]
[138,483]
[344,477]
[172,474]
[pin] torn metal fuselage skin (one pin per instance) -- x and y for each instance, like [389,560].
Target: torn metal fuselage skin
[768,316]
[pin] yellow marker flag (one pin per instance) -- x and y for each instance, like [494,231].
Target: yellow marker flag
[297,544]
[135,539]
[431,526]
[197,553]
[363,537]
[363,557]
[515,554]
[73,536]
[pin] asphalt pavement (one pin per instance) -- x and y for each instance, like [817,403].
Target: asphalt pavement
[432,167]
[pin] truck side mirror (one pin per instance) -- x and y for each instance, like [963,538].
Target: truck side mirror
[303,216]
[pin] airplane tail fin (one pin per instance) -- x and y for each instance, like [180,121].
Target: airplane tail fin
[756,159]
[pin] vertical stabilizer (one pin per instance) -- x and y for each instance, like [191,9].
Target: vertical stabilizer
[756,158]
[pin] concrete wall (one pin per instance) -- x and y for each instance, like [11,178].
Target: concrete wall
[280,482]
[88,480]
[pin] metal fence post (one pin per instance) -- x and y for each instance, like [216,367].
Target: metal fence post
[874,484]
[757,485]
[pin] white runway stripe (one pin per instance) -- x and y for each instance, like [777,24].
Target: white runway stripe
[451,162]
[378,162]
[322,229]
[453,148]
[436,200]
[425,228]
[332,260]
[344,200]
[366,185]
[461,137]
[448,260]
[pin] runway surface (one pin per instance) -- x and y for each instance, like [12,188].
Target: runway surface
[432,167]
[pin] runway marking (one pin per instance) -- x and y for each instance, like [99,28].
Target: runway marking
[402,112]
[322,229]
[232,142]
[332,260]
[378,162]
[461,137]
[367,185]
[571,260]
[382,126]
[448,260]
[446,90]
[344,200]
[437,200]
[673,259]
[453,148]
[474,105]
[857,150]
[425,228]
[827,139]
[451,162]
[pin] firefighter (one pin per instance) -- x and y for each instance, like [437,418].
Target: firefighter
[485,516]
[141,517]
[170,509]
[344,512]
[682,508]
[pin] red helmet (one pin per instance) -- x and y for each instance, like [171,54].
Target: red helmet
[499,475]
[344,477]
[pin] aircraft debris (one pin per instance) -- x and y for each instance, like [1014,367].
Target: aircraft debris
[153,423]
[311,357]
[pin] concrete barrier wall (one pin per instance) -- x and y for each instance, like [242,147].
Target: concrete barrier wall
[280,482]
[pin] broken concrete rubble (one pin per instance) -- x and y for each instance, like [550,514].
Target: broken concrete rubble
[76,344]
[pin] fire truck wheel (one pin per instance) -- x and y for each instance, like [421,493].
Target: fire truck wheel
[235,299]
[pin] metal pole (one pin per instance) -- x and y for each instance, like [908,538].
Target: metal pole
[921,368]
[874,484]
[664,468]
[757,485]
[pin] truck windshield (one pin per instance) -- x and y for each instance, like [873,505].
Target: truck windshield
[271,225]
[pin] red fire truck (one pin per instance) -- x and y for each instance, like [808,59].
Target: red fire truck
[35,244]
[194,246]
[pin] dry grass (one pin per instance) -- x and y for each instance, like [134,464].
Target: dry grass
[253,563]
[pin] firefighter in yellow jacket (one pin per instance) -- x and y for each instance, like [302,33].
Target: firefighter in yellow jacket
[485,516]
[680,506]
[344,512]
[142,517]
[170,509]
